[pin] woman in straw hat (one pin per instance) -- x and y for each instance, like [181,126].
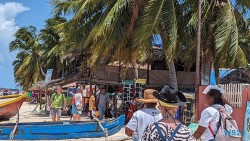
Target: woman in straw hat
[168,128]
[144,117]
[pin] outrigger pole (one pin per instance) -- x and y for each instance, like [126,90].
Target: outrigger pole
[198,54]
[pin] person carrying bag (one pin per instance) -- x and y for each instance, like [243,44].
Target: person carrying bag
[168,129]
[215,123]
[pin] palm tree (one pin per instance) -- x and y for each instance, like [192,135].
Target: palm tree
[244,37]
[220,35]
[28,68]
[160,17]
[53,53]
[115,29]
[105,32]
[17,63]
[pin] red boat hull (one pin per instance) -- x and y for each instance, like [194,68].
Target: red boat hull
[11,110]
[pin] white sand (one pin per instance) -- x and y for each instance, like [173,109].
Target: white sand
[27,116]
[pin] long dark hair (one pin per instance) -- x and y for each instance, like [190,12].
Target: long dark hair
[217,95]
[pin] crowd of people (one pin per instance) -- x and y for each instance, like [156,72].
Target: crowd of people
[158,120]
[97,104]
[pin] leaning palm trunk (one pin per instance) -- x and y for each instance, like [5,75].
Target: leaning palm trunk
[136,70]
[173,75]
[205,71]
[171,65]
[217,73]
[206,61]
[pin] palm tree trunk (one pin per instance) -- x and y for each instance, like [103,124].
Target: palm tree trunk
[42,71]
[205,70]
[119,71]
[136,70]
[206,62]
[173,75]
[217,72]
[171,65]
[198,51]
[148,73]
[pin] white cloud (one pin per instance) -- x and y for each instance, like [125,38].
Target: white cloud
[8,13]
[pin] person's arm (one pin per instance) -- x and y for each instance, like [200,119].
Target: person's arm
[132,125]
[183,108]
[51,100]
[73,94]
[128,132]
[205,119]
[200,130]
[92,99]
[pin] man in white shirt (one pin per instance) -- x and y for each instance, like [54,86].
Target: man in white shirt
[144,117]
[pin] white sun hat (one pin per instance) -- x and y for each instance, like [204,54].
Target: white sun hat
[210,87]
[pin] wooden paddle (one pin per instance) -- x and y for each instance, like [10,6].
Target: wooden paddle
[12,134]
[103,129]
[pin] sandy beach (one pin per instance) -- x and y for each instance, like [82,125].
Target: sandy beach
[26,115]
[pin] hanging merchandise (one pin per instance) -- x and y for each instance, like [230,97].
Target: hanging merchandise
[128,86]
[139,87]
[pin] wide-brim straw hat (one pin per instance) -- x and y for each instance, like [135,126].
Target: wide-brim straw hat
[169,97]
[148,97]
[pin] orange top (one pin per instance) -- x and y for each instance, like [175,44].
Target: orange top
[92,103]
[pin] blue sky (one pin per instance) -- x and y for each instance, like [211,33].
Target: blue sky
[15,14]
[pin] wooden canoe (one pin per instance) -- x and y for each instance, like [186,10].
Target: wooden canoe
[9,96]
[9,105]
[60,130]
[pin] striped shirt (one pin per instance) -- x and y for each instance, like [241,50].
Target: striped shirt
[151,133]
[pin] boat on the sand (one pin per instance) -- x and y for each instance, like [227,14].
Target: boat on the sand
[60,130]
[9,96]
[10,104]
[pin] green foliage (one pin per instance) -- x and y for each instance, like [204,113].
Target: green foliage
[122,30]
[27,66]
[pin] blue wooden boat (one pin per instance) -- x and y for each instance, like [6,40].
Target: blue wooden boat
[60,130]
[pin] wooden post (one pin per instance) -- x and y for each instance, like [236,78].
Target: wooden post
[119,72]
[90,79]
[148,74]
[46,99]
[197,81]
[40,97]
